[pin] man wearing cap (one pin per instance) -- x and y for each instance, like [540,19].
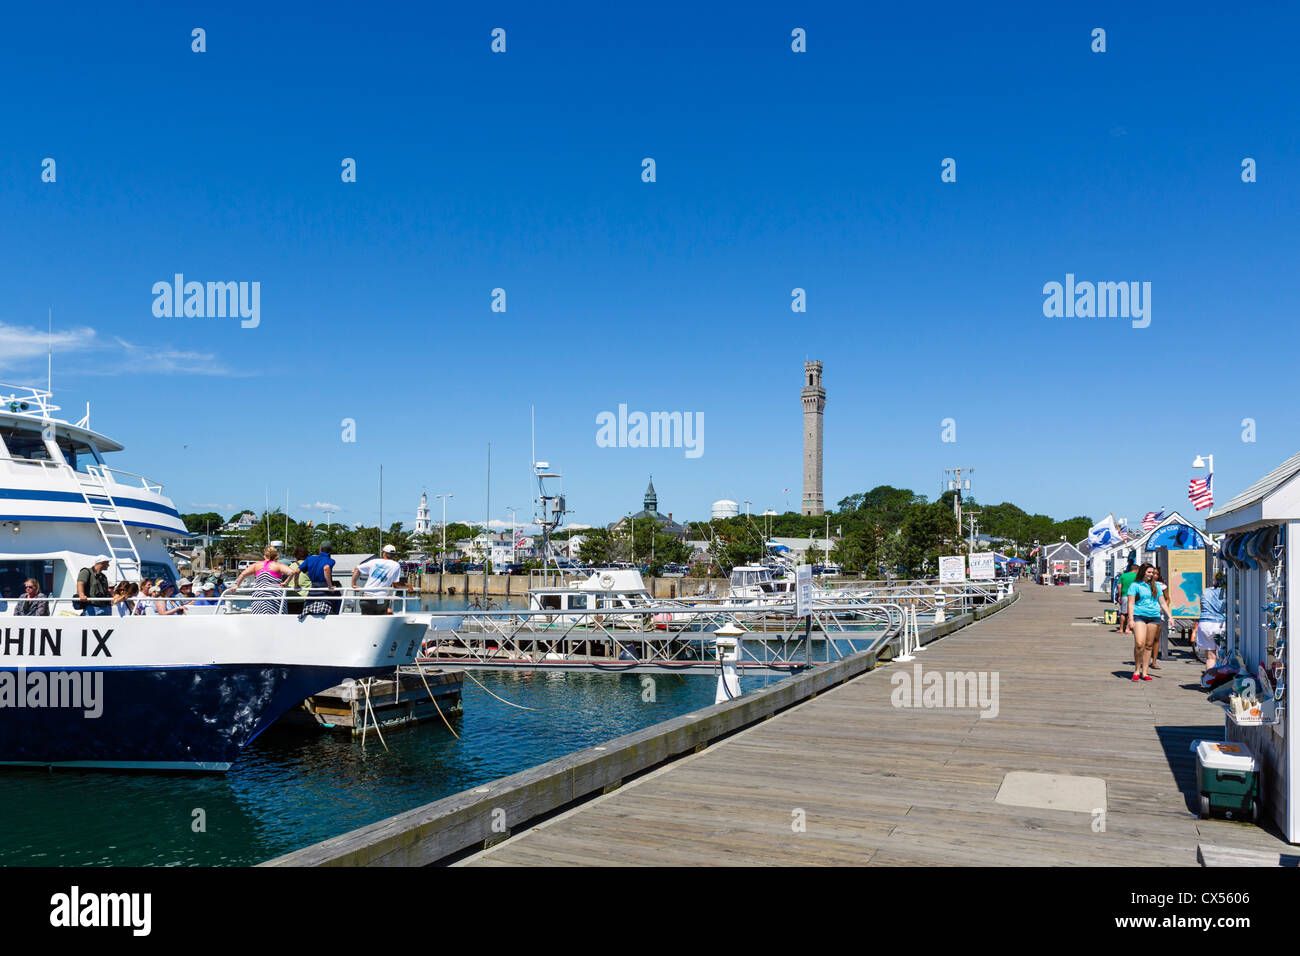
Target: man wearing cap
[92,588]
[207,596]
[381,574]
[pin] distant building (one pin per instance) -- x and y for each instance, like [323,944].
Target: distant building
[422,523]
[243,523]
[813,399]
[726,508]
[650,509]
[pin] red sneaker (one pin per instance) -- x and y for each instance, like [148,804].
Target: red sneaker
[1146,677]
[1136,677]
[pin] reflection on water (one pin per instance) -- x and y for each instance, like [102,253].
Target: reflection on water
[288,790]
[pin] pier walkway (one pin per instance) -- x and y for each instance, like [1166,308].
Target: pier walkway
[884,785]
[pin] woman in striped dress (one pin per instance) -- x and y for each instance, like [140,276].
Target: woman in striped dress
[268,586]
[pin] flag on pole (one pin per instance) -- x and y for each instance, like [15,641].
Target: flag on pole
[1104,533]
[1152,519]
[1198,489]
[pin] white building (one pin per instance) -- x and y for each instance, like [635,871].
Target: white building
[1105,563]
[726,508]
[422,523]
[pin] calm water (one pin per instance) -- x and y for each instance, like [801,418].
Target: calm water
[289,790]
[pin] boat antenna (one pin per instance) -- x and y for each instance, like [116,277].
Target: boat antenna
[49,368]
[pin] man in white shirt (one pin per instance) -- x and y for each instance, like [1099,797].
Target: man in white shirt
[381,577]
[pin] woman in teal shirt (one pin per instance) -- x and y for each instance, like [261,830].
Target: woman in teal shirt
[1146,605]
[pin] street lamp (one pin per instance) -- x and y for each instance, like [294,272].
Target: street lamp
[444,530]
[1200,462]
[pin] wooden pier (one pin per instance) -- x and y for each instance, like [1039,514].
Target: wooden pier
[846,777]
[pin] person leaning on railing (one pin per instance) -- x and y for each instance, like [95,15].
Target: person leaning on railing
[92,588]
[34,604]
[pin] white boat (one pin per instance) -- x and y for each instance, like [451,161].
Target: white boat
[183,692]
[761,584]
[605,589]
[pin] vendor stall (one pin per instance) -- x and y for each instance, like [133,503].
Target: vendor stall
[1259,526]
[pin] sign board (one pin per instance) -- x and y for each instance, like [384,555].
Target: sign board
[803,590]
[1186,581]
[952,570]
[981,567]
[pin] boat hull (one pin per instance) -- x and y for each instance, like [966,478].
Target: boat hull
[133,706]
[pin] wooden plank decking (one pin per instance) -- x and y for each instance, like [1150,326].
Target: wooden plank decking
[884,785]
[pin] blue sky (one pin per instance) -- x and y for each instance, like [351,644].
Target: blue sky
[775,170]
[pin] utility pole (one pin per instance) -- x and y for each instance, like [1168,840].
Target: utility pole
[957,484]
[970,518]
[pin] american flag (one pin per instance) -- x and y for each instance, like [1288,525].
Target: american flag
[1198,489]
[1152,519]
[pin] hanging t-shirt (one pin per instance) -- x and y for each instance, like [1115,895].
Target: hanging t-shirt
[1146,605]
[380,575]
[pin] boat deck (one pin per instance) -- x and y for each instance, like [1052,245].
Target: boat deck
[885,785]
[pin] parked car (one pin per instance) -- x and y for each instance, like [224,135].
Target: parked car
[514,568]
[457,567]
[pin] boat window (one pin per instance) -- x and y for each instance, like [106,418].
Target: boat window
[24,443]
[736,578]
[78,454]
[550,602]
[14,574]
[156,569]
[577,601]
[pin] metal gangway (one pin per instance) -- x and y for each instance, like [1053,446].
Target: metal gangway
[664,637]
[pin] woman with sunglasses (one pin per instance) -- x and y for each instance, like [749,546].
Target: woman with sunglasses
[1147,604]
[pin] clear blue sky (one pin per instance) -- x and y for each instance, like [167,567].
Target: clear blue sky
[775,170]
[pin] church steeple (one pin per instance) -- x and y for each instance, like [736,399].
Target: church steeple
[651,500]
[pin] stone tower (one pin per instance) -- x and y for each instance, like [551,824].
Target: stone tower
[814,402]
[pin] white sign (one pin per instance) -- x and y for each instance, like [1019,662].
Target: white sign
[803,593]
[981,567]
[952,570]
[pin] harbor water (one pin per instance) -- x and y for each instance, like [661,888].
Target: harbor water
[289,790]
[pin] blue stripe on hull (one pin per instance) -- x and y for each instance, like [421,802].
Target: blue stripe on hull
[183,718]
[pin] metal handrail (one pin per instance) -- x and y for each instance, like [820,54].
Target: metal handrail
[230,601]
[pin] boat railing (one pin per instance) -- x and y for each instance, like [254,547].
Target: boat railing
[101,472]
[140,481]
[23,400]
[245,600]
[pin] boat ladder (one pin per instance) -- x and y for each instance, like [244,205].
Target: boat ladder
[117,538]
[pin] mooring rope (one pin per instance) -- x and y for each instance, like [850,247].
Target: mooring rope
[419,668]
[371,712]
[502,699]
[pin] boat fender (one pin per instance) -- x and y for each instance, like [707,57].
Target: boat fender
[606,580]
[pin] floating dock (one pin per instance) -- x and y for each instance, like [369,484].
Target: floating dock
[409,697]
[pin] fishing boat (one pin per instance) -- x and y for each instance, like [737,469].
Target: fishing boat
[179,692]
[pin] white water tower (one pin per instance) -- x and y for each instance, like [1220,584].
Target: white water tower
[726,508]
